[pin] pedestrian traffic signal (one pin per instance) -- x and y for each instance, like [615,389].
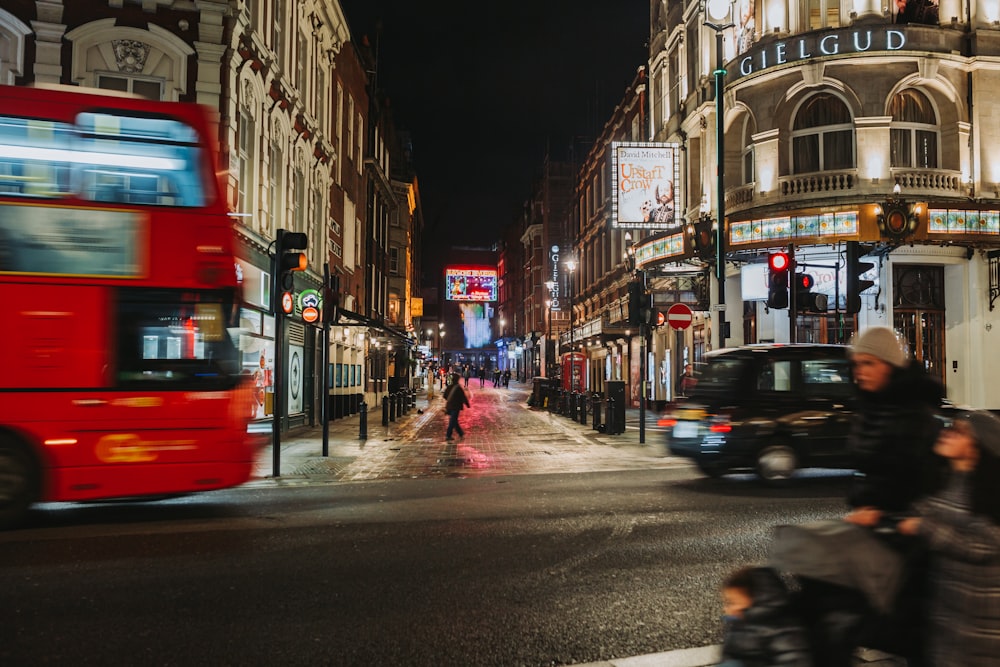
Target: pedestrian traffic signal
[331,299]
[855,269]
[805,299]
[778,264]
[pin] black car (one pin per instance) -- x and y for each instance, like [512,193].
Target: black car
[769,409]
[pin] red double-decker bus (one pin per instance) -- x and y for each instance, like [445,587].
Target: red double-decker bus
[119,303]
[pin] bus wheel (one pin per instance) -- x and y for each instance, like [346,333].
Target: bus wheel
[18,482]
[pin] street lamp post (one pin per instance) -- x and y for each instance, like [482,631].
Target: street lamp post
[548,337]
[719,15]
[571,267]
[640,278]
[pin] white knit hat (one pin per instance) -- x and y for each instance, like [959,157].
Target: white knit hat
[880,342]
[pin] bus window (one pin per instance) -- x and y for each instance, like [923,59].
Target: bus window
[34,157]
[176,339]
[150,161]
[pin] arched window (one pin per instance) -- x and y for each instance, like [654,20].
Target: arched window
[913,137]
[746,153]
[822,136]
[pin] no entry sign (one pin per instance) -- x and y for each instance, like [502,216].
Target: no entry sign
[679,316]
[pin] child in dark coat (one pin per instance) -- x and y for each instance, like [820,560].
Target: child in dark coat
[762,629]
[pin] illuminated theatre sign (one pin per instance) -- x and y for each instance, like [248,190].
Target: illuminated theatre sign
[806,47]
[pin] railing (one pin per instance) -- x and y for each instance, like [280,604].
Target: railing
[928,181]
[830,182]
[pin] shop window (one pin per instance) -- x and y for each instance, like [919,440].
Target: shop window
[822,136]
[913,140]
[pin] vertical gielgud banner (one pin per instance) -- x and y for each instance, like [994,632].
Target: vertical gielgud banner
[646,192]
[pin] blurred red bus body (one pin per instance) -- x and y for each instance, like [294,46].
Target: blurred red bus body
[119,302]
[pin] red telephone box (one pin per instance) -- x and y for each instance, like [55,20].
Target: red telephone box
[574,365]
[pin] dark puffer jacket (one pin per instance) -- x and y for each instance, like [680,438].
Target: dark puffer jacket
[892,441]
[770,632]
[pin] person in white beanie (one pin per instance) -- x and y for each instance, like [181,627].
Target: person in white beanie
[891,441]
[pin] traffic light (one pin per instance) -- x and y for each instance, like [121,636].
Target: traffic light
[777,279]
[805,299]
[855,269]
[287,258]
[637,301]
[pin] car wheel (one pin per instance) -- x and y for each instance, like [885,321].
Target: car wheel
[776,463]
[19,486]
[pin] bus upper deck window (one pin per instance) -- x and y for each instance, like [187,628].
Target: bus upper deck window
[140,160]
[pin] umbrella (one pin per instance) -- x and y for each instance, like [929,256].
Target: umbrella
[842,553]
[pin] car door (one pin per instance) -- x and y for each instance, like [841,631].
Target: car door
[828,396]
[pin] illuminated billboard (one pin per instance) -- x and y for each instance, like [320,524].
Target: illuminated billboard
[646,191]
[463,283]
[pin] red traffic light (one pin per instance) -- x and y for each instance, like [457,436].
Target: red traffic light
[804,281]
[778,261]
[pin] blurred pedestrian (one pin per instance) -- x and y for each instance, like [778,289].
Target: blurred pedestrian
[687,380]
[761,627]
[455,400]
[506,378]
[482,376]
[892,445]
[961,525]
[468,373]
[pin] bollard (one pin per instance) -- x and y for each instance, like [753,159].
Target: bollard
[611,426]
[583,409]
[363,421]
[595,408]
[401,408]
[385,410]
[392,407]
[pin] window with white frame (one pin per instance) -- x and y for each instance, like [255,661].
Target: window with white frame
[349,143]
[338,130]
[275,189]
[151,89]
[913,136]
[320,233]
[361,141]
[278,15]
[746,154]
[299,197]
[244,140]
[394,261]
[820,14]
[822,135]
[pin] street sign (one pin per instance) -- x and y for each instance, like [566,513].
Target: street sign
[679,316]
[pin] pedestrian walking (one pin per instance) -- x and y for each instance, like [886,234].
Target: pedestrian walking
[961,526]
[455,400]
[506,378]
[467,371]
[482,376]
[892,443]
[496,377]
[761,628]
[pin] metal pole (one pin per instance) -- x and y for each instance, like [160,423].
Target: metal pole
[642,385]
[793,306]
[324,370]
[720,145]
[278,374]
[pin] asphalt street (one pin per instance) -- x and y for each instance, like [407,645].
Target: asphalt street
[503,437]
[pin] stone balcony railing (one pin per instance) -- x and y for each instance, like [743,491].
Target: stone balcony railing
[801,190]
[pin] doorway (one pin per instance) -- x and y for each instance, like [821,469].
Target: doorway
[918,314]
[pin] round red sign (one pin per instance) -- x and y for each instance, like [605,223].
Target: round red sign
[679,316]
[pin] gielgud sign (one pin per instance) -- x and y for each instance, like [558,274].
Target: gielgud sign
[813,45]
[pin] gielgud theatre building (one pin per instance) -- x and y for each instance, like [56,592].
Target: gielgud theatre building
[867,121]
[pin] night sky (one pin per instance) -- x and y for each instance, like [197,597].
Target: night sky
[486,89]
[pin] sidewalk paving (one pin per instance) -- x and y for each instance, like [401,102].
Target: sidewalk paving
[301,461]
